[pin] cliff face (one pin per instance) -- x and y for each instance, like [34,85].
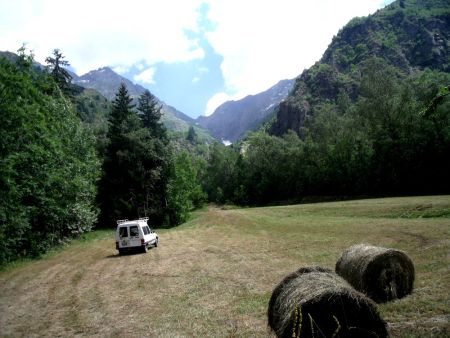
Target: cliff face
[290,117]
[410,35]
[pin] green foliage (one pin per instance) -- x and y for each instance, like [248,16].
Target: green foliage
[91,106]
[220,175]
[192,136]
[48,166]
[93,109]
[185,191]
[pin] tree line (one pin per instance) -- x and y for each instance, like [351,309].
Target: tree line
[394,139]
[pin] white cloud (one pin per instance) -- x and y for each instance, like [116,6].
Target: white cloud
[146,76]
[266,41]
[102,32]
[121,69]
[216,100]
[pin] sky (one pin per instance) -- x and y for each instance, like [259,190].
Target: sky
[192,54]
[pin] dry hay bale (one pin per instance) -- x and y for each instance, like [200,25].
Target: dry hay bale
[315,302]
[382,274]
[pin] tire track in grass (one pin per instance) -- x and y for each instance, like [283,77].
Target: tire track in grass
[210,277]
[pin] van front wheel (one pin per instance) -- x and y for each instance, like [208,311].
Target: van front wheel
[156,242]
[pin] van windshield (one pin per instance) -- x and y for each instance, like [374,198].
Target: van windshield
[123,232]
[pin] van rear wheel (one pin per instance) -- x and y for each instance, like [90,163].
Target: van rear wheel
[145,248]
[156,242]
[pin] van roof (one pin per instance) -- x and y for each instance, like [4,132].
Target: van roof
[121,222]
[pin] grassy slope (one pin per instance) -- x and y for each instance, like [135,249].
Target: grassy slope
[213,276]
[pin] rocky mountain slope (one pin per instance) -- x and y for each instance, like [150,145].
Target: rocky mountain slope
[233,119]
[411,35]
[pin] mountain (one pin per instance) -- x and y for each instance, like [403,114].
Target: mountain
[233,119]
[410,35]
[106,82]
[9,56]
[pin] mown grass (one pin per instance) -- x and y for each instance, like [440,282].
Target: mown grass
[213,276]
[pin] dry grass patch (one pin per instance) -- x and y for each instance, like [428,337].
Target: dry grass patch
[213,276]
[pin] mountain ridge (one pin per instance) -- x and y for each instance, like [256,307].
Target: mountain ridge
[106,81]
[233,119]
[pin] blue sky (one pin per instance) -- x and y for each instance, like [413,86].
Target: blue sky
[186,85]
[192,54]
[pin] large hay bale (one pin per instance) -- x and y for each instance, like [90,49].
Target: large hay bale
[315,302]
[382,274]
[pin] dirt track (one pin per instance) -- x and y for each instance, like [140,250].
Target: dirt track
[88,290]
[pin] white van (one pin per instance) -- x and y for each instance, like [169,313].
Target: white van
[134,235]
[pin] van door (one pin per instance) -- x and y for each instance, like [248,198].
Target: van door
[124,240]
[135,238]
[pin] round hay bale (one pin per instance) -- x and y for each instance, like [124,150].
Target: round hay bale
[315,302]
[382,274]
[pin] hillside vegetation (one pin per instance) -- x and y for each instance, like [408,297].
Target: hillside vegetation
[213,276]
[410,36]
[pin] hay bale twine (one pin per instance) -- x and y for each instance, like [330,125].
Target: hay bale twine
[382,274]
[315,302]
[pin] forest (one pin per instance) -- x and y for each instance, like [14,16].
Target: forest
[61,174]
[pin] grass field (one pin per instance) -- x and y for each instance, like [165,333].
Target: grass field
[213,276]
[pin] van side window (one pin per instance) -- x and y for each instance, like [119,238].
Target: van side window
[134,231]
[123,232]
[146,231]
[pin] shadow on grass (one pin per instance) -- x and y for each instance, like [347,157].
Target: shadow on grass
[129,253]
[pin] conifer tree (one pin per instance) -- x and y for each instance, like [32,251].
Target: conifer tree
[158,157]
[113,184]
[150,113]
[60,75]
[121,110]
[136,164]
[192,136]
